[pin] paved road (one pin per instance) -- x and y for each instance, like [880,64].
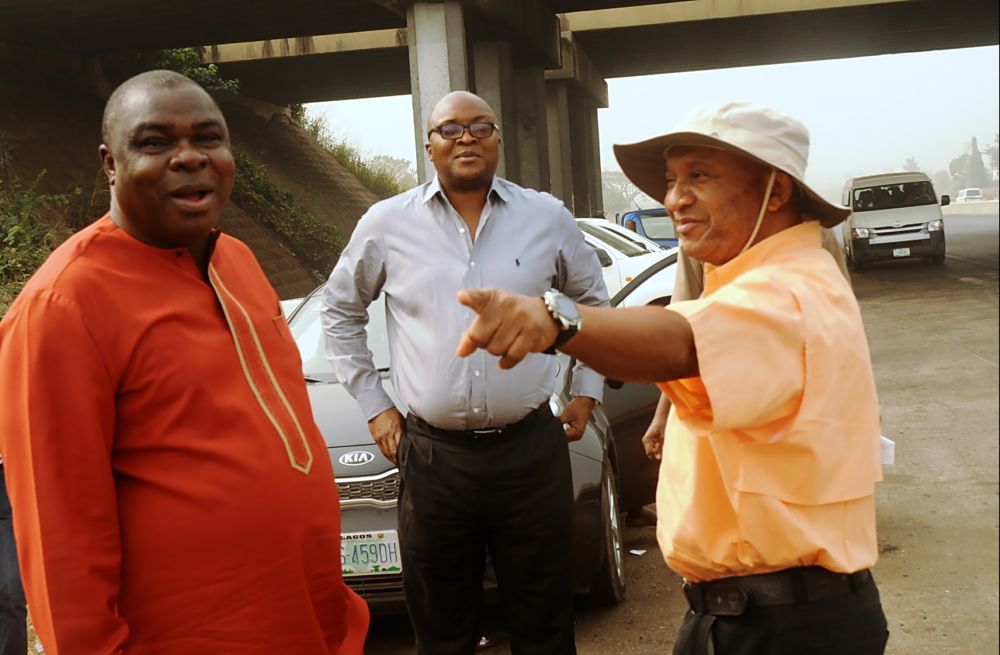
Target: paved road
[933,333]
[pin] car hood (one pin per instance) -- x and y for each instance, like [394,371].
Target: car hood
[339,416]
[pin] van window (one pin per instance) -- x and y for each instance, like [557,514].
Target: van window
[891,196]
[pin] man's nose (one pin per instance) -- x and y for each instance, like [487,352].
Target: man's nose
[677,197]
[189,157]
[467,135]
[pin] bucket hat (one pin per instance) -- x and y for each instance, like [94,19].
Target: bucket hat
[757,133]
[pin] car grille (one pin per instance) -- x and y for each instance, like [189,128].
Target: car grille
[382,488]
[368,586]
[902,229]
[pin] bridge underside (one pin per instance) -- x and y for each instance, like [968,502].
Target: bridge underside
[669,48]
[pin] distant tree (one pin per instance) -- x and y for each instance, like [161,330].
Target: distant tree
[401,169]
[911,165]
[614,200]
[977,176]
[618,183]
[993,152]
[959,171]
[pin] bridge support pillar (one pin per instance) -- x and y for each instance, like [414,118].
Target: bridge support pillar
[494,81]
[436,41]
[531,127]
[573,94]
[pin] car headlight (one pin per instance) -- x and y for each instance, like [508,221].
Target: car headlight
[859,232]
[935,225]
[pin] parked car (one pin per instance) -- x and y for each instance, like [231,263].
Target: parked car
[654,224]
[624,256]
[972,194]
[369,484]
[893,216]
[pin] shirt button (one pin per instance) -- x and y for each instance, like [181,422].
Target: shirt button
[476,373]
[461,230]
[472,264]
[476,410]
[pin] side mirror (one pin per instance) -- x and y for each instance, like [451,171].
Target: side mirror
[603,257]
[945,200]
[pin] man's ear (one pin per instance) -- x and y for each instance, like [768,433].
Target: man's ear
[427,147]
[782,193]
[107,162]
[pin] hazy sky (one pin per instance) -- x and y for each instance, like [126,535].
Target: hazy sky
[865,115]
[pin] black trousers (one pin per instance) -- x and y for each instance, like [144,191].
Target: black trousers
[849,624]
[510,495]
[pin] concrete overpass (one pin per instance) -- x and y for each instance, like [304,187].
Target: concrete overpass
[541,63]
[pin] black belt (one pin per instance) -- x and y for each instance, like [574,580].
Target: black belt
[796,586]
[542,411]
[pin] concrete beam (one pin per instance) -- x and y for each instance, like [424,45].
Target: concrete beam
[437,65]
[578,69]
[527,23]
[693,10]
[305,45]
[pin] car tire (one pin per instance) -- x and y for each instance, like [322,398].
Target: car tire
[937,259]
[607,587]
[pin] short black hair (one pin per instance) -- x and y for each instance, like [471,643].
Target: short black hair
[155,79]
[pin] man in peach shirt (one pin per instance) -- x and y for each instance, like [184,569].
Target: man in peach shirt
[765,500]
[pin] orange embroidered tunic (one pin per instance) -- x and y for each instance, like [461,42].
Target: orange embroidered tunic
[770,456]
[170,490]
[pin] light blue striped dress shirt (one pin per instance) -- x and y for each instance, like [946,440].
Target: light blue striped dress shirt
[416,249]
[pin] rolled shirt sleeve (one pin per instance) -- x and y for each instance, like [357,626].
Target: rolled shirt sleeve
[355,282]
[750,344]
[581,279]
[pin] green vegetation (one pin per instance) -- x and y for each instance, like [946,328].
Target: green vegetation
[316,243]
[375,177]
[25,239]
[186,61]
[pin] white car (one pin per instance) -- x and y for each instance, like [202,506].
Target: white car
[638,270]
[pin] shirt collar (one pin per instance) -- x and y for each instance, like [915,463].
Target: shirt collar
[804,235]
[497,189]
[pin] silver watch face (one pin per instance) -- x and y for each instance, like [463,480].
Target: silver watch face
[563,309]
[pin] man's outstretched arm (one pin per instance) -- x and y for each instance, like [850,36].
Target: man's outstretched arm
[637,344]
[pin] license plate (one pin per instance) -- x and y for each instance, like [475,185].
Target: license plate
[900,252]
[370,553]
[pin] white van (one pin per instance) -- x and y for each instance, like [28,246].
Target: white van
[972,194]
[893,216]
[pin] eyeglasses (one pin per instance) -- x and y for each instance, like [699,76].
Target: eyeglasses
[454,131]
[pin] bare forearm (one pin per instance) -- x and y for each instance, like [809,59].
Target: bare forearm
[639,344]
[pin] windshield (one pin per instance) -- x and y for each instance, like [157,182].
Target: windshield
[891,196]
[612,240]
[658,227]
[307,330]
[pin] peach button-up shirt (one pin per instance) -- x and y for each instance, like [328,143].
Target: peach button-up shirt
[771,455]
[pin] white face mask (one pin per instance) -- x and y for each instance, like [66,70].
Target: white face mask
[760,214]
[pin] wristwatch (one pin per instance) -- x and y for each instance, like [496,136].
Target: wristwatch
[566,315]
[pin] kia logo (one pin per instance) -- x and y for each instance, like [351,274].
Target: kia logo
[356,458]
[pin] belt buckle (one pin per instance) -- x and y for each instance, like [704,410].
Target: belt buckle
[488,432]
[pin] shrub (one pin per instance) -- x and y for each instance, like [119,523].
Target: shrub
[316,243]
[377,179]
[25,240]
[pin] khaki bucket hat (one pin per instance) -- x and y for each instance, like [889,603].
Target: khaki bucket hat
[758,133]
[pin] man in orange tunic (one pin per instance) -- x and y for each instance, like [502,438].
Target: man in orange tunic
[171,493]
[765,502]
